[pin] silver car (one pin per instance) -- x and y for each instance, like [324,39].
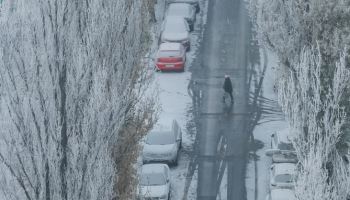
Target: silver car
[282,150]
[282,176]
[163,146]
[176,29]
[184,10]
[281,194]
[154,182]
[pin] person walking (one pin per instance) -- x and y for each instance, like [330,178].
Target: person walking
[228,87]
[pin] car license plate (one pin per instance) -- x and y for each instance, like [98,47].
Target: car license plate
[169,65]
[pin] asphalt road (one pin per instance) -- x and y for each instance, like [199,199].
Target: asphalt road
[222,133]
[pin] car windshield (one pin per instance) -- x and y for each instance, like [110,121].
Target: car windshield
[160,138]
[152,179]
[284,178]
[286,146]
[179,10]
[169,53]
[175,26]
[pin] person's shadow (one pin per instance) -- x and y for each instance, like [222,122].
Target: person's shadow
[228,107]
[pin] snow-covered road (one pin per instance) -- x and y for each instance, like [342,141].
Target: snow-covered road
[213,160]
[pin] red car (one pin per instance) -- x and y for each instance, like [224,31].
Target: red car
[171,57]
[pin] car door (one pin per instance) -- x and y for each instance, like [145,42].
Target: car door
[193,14]
[274,141]
[167,174]
[187,26]
[177,132]
[272,176]
[183,53]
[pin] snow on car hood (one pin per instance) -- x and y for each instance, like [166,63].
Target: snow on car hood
[154,191]
[174,37]
[158,149]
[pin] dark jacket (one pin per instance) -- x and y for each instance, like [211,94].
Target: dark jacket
[228,85]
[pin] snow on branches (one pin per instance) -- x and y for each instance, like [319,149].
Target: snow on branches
[316,119]
[313,85]
[71,81]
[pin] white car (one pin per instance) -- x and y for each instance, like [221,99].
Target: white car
[194,3]
[163,145]
[282,175]
[176,29]
[282,150]
[281,194]
[154,182]
[185,10]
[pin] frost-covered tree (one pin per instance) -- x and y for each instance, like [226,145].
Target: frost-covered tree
[317,122]
[71,88]
[286,26]
[313,85]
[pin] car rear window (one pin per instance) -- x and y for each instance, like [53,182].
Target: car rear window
[172,53]
[179,10]
[160,138]
[284,178]
[285,146]
[152,179]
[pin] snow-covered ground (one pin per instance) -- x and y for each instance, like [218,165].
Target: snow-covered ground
[176,103]
[257,176]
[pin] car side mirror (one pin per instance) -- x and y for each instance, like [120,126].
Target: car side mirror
[270,152]
[272,135]
[273,184]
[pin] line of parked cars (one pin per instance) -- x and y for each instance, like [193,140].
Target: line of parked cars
[283,168]
[174,40]
[161,146]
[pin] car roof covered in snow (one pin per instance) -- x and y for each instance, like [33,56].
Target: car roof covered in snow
[284,168]
[183,1]
[284,135]
[153,168]
[170,46]
[175,8]
[282,194]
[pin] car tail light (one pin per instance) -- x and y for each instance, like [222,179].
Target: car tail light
[179,59]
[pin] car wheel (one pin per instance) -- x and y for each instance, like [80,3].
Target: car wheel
[191,27]
[198,8]
[156,69]
[175,162]
[188,48]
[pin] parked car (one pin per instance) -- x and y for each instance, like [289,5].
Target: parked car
[282,175]
[154,182]
[163,146]
[171,56]
[194,3]
[175,29]
[185,10]
[282,150]
[281,194]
